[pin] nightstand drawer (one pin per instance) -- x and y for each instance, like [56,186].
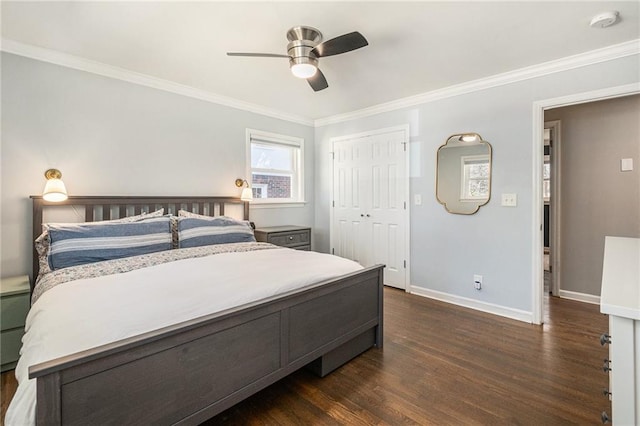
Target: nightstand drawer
[13,310]
[10,343]
[296,237]
[289,239]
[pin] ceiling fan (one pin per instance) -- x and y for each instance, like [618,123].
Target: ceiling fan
[306,47]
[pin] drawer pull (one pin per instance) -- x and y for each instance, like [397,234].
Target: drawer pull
[290,237]
[604,339]
[606,392]
[604,417]
[605,366]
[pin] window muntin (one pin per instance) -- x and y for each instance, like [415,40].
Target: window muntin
[276,167]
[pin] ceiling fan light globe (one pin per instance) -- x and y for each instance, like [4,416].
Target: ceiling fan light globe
[303,70]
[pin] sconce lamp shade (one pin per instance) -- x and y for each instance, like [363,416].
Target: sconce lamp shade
[247,194]
[54,190]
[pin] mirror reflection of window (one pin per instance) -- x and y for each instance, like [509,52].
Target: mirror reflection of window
[475,177]
[463,173]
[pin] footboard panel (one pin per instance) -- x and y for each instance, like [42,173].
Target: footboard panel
[188,373]
[172,384]
[313,325]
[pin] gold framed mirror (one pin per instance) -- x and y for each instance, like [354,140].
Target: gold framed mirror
[463,173]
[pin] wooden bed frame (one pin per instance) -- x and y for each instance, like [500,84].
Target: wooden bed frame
[189,372]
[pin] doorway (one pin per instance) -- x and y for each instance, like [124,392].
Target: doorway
[539,108]
[369,210]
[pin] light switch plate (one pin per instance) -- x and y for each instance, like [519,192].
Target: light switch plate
[417,199]
[510,200]
[626,164]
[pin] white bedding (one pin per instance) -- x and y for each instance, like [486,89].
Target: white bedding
[86,313]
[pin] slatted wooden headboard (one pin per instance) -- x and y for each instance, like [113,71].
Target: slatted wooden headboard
[108,207]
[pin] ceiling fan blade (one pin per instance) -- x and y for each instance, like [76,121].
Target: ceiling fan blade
[258,55]
[341,44]
[318,82]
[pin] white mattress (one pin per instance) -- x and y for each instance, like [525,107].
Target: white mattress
[86,313]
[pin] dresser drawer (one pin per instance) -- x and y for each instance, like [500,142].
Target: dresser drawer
[288,239]
[13,310]
[10,343]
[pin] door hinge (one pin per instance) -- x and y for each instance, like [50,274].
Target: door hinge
[405,205]
[404,146]
[333,155]
[333,203]
[333,251]
[405,264]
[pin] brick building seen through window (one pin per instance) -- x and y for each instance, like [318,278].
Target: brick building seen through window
[271,186]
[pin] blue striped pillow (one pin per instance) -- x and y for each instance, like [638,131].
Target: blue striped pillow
[196,232]
[78,244]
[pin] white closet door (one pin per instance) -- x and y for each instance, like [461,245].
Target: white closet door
[349,180]
[369,202]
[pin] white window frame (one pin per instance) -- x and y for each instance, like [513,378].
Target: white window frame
[268,138]
[464,178]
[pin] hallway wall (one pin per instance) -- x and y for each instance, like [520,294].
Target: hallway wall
[597,198]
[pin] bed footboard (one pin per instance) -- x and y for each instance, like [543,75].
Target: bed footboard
[188,373]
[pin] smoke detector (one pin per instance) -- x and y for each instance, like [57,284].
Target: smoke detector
[605,19]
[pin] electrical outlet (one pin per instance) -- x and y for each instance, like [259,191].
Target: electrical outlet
[477,282]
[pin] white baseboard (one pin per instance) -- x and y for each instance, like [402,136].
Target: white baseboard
[580,297]
[491,308]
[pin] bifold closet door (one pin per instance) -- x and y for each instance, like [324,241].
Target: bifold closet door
[368,179]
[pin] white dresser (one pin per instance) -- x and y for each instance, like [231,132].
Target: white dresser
[620,299]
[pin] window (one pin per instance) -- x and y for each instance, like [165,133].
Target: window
[276,167]
[546,168]
[546,182]
[475,177]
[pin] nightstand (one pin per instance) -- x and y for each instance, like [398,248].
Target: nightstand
[14,305]
[295,237]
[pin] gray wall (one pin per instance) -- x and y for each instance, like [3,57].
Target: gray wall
[496,242]
[597,199]
[110,137]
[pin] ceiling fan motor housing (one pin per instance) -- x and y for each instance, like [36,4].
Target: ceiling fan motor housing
[302,40]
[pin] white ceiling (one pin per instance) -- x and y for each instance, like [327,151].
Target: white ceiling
[414,47]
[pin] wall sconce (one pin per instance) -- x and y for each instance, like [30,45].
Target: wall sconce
[54,190]
[247,194]
[469,137]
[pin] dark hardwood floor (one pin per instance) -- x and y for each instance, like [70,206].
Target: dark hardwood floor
[447,365]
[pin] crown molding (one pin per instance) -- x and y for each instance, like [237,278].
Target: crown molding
[82,64]
[570,62]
